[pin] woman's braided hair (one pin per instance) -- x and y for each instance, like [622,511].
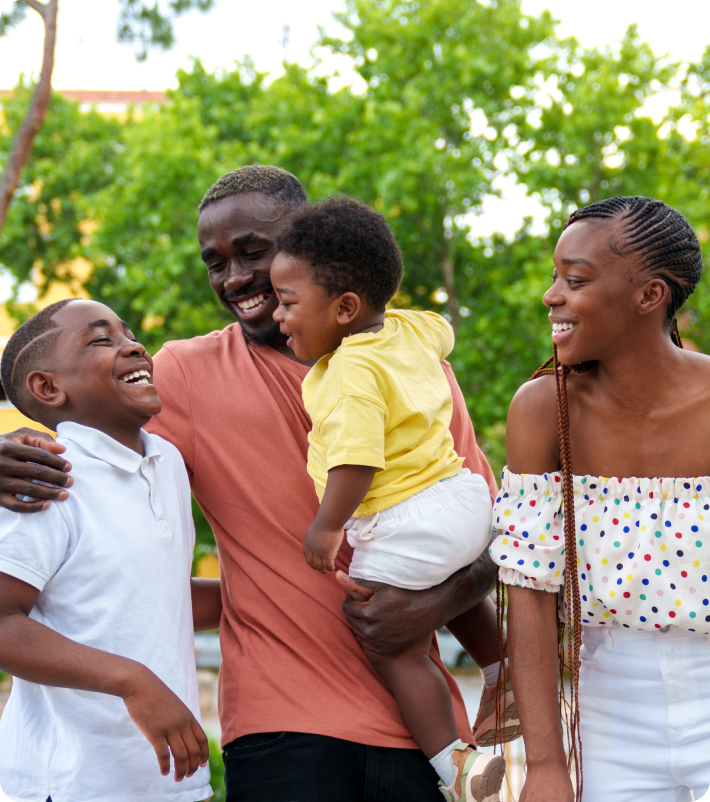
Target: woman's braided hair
[669,250]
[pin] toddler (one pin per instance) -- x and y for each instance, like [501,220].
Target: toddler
[381,454]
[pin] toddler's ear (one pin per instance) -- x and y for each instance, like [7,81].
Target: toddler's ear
[349,306]
[43,387]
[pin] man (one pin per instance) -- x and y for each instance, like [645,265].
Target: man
[304,716]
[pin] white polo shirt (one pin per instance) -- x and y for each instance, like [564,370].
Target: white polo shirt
[112,564]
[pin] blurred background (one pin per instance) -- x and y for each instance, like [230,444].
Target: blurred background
[474,126]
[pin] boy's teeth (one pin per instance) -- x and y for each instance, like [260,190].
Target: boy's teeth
[138,377]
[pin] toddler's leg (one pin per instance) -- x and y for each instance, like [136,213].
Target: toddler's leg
[477,631]
[421,693]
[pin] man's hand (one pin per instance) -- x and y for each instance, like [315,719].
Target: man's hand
[25,455]
[321,546]
[167,723]
[394,619]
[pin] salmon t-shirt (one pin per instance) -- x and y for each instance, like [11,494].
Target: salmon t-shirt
[290,659]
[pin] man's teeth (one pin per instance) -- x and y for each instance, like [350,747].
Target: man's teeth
[251,303]
[139,377]
[557,327]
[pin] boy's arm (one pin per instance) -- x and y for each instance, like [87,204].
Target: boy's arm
[346,487]
[206,603]
[33,652]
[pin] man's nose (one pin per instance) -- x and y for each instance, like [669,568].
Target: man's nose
[238,278]
[133,349]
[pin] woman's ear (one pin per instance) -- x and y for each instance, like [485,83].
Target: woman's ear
[655,294]
[349,306]
[43,387]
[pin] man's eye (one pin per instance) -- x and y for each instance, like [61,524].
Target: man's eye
[101,340]
[215,267]
[254,254]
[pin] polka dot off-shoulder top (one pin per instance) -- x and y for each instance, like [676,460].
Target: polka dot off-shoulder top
[643,546]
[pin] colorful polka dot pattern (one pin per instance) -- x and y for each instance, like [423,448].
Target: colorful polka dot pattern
[643,547]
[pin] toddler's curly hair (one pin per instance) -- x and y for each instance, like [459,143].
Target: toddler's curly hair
[349,246]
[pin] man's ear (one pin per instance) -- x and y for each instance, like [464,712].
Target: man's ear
[44,388]
[655,294]
[349,306]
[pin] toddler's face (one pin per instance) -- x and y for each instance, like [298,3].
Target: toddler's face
[307,315]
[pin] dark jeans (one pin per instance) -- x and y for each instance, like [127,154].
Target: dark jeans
[296,767]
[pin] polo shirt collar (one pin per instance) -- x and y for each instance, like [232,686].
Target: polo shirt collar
[103,447]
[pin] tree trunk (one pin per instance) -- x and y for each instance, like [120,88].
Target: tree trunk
[447,266]
[34,119]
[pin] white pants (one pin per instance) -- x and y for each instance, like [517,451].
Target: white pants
[421,541]
[645,715]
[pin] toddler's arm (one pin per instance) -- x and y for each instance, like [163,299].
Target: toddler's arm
[346,487]
[33,652]
[206,603]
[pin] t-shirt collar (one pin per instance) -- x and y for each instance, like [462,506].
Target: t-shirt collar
[104,447]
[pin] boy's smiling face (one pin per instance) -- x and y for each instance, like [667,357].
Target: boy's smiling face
[100,377]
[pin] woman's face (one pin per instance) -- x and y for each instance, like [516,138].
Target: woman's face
[597,298]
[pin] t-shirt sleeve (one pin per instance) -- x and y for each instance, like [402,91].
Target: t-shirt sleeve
[439,333]
[464,437]
[354,433]
[175,422]
[33,547]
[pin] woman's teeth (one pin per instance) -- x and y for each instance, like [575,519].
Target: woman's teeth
[252,303]
[559,327]
[139,377]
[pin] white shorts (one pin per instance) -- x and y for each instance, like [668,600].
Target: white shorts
[421,541]
[644,703]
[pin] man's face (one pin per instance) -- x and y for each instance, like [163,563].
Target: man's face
[237,240]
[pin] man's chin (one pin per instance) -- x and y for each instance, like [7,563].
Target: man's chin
[270,337]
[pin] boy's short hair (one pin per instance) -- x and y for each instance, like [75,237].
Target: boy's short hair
[349,246]
[27,350]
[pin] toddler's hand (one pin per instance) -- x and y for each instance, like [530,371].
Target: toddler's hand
[167,723]
[321,546]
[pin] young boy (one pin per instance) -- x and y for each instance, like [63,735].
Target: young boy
[96,617]
[381,454]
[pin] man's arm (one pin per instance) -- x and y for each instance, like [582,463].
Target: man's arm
[206,603]
[26,454]
[394,618]
[33,652]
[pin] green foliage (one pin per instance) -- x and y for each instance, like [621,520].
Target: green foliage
[217,771]
[148,26]
[452,95]
[9,19]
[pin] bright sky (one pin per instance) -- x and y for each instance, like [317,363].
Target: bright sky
[88,56]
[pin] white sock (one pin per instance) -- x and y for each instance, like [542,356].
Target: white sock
[490,673]
[444,765]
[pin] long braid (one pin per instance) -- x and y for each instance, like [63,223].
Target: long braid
[669,250]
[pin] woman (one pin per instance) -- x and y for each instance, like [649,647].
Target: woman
[618,430]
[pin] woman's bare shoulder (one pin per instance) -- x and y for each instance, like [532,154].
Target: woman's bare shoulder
[532,443]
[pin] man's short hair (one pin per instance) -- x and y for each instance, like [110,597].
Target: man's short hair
[285,189]
[29,348]
[349,246]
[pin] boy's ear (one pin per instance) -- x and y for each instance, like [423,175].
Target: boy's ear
[43,387]
[349,305]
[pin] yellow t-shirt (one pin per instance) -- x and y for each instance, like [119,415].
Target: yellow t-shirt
[383,400]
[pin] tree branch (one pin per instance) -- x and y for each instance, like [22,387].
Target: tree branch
[40,8]
[34,119]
